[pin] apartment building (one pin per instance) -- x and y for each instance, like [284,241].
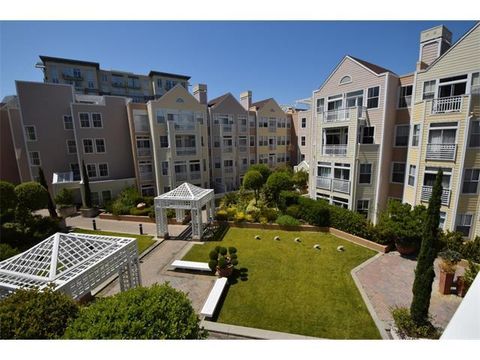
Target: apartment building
[301,137]
[445,128]
[88,78]
[53,128]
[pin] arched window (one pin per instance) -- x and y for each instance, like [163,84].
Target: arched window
[180,100]
[345,80]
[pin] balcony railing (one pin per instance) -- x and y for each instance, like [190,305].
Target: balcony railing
[242,129]
[146,176]
[335,150]
[427,193]
[272,147]
[227,128]
[185,126]
[144,152]
[441,151]
[337,115]
[118,84]
[76,77]
[181,176]
[341,185]
[324,183]
[65,177]
[195,175]
[182,151]
[272,129]
[228,169]
[447,105]
[228,149]
[242,149]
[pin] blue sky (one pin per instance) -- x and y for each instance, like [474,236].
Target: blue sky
[281,59]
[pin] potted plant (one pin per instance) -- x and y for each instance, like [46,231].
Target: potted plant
[223,261]
[64,201]
[464,282]
[448,266]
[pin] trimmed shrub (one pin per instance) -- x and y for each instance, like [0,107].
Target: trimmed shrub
[223,251]
[140,212]
[232,250]
[6,251]
[470,250]
[222,262]
[287,220]
[213,255]
[269,213]
[231,212]
[349,221]
[277,182]
[262,169]
[118,208]
[212,264]
[287,198]
[157,312]
[64,197]
[293,211]
[35,314]
[239,217]
[314,212]
[221,215]
[8,198]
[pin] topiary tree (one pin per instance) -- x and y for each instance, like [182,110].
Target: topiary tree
[8,199]
[35,314]
[31,196]
[277,182]
[87,194]
[262,169]
[223,260]
[157,312]
[253,180]
[50,204]
[424,272]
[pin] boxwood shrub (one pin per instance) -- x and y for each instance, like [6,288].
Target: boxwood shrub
[287,220]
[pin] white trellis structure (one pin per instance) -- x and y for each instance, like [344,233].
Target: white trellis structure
[72,263]
[184,197]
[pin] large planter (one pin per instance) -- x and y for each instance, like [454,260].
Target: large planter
[89,212]
[226,272]
[405,249]
[67,211]
[446,282]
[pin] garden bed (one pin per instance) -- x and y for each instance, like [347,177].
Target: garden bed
[135,218]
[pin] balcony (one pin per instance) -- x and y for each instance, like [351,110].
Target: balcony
[228,169]
[227,128]
[242,149]
[447,105]
[335,116]
[181,176]
[185,126]
[272,147]
[324,183]
[195,175]
[228,149]
[341,185]
[182,151]
[65,177]
[144,152]
[335,150]
[118,84]
[272,129]
[427,193]
[146,175]
[74,77]
[441,151]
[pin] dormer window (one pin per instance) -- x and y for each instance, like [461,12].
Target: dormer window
[345,80]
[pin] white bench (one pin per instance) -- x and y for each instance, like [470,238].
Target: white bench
[215,294]
[191,265]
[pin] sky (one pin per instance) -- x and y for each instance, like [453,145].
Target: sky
[285,60]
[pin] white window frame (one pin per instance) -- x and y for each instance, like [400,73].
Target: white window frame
[93,146]
[399,96]
[80,120]
[460,221]
[472,180]
[440,224]
[360,173]
[303,123]
[391,172]
[93,121]
[104,146]
[108,170]
[303,141]
[396,133]
[68,146]
[472,135]
[64,122]
[95,167]
[27,134]
[409,175]
[30,158]
[367,208]
[434,91]
[104,191]
[146,187]
[367,97]
[163,168]
[418,135]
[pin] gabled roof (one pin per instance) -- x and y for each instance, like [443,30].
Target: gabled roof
[159,73]
[69,61]
[261,103]
[186,191]
[375,68]
[218,100]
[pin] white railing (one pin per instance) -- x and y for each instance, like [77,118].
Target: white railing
[144,152]
[446,105]
[341,185]
[228,149]
[195,175]
[146,175]
[181,176]
[337,115]
[242,129]
[190,126]
[227,128]
[335,150]
[186,151]
[228,169]
[441,151]
[427,194]
[242,149]
[63,177]
[324,183]
[272,129]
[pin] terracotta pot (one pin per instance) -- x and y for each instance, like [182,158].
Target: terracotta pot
[445,283]
[461,286]
[225,272]
[405,249]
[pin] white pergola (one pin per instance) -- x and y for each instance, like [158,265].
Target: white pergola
[73,263]
[184,197]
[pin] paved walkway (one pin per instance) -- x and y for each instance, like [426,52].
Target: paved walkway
[387,282]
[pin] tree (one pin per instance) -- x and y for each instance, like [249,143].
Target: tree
[277,182]
[31,196]
[8,199]
[35,314]
[300,180]
[50,204]
[262,169]
[424,272]
[87,194]
[253,180]
[158,312]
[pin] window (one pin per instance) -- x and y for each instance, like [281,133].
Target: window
[77,73]
[345,80]
[92,170]
[475,134]
[252,140]
[147,190]
[104,78]
[145,169]
[320,105]
[341,202]
[106,196]
[71,147]
[475,83]
[97,120]
[227,163]
[95,198]
[398,173]
[443,217]
[218,163]
[67,122]
[303,140]
[362,207]
[164,141]
[367,135]
[405,96]
[354,99]
[159,83]
[141,123]
[304,122]
[88,146]
[100,145]
[160,117]
[165,168]
[54,74]
[30,133]
[372,99]
[401,135]
[76,171]
[428,90]
[470,181]
[103,169]
[415,134]
[35,158]
[84,120]
[143,146]
[365,174]
[464,223]
[412,172]
[166,189]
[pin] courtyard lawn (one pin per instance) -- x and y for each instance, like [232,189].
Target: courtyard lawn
[143,241]
[291,287]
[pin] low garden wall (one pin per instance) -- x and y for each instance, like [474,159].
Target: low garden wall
[338,233]
[136,218]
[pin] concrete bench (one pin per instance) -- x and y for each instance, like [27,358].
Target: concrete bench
[212,300]
[191,265]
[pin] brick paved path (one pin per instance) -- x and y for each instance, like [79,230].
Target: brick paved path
[388,280]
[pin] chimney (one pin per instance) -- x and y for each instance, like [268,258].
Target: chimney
[433,43]
[200,93]
[246,99]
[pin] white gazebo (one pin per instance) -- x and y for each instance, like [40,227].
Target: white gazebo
[184,197]
[72,263]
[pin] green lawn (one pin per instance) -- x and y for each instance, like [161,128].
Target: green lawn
[291,287]
[143,241]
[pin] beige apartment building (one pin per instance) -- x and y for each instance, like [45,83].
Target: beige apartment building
[301,137]
[445,128]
